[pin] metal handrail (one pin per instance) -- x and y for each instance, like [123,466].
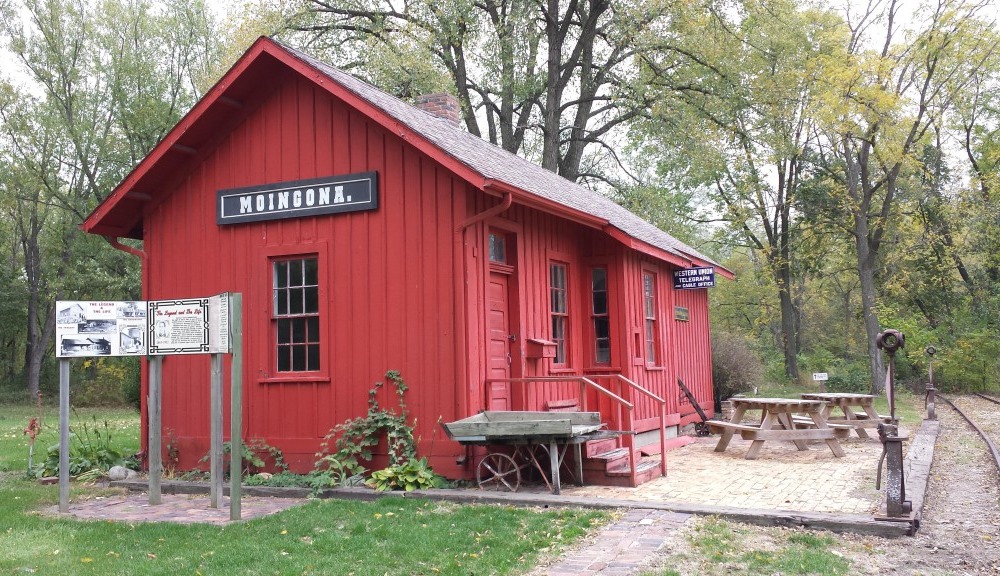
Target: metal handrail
[585,382]
[564,379]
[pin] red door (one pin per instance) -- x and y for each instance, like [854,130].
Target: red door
[498,341]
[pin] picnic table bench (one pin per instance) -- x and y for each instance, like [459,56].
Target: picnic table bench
[848,404]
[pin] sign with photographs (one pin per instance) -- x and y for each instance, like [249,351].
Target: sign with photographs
[100,329]
[139,328]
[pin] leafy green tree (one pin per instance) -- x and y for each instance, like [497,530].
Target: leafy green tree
[548,80]
[736,86]
[886,92]
[104,82]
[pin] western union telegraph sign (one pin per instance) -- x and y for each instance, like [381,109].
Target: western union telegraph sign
[694,278]
[330,195]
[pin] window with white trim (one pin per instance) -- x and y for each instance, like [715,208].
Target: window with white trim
[559,310]
[649,311]
[295,314]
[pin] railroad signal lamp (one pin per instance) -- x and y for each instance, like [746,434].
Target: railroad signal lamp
[890,341]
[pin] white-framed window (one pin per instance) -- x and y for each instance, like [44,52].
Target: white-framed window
[295,314]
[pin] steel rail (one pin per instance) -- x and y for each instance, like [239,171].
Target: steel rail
[985,397]
[982,433]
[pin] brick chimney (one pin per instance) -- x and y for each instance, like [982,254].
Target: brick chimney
[442,105]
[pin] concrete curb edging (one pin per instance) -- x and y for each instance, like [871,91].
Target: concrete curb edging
[917,466]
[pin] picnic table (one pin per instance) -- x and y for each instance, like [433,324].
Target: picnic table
[777,422]
[849,404]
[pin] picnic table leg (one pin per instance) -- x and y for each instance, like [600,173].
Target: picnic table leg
[870,411]
[727,434]
[834,445]
[766,423]
[785,419]
[854,420]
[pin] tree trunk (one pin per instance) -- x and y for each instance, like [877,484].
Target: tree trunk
[29,227]
[866,275]
[553,93]
[789,336]
[37,346]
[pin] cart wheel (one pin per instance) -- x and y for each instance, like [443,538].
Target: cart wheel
[498,471]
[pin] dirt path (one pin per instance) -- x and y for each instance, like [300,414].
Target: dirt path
[960,528]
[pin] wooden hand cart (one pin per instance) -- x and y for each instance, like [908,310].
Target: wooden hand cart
[532,436]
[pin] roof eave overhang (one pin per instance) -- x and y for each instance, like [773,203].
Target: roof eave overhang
[525,198]
[97,222]
[674,258]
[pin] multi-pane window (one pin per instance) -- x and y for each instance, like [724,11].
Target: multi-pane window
[649,309]
[599,315]
[559,309]
[296,314]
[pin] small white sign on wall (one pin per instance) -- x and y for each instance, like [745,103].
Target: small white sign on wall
[820,376]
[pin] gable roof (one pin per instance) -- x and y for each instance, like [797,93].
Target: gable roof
[482,164]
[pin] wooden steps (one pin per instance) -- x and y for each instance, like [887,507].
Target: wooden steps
[611,468]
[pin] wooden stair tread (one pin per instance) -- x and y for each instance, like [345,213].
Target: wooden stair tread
[643,466]
[611,454]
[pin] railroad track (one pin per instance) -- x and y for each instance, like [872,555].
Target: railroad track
[988,398]
[986,433]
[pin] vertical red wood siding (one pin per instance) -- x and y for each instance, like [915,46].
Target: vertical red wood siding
[692,346]
[386,286]
[402,287]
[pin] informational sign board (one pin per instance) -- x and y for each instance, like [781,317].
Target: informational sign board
[178,326]
[694,278]
[820,376]
[86,329]
[682,314]
[139,328]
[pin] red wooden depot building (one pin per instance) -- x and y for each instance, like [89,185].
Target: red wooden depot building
[365,235]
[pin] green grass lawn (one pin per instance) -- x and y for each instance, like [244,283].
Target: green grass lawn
[391,536]
[714,546]
[122,423]
[394,535]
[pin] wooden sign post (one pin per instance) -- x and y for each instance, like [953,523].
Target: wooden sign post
[155,414]
[155,329]
[236,408]
[63,435]
[215,439]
